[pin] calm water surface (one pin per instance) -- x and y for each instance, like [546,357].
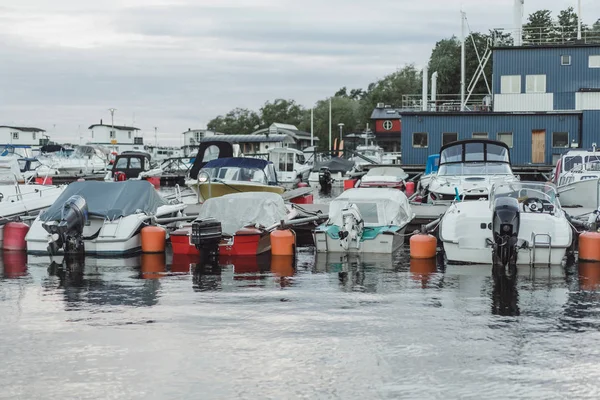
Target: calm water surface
[156,327]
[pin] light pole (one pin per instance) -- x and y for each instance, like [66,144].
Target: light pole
[112,126]
[341,125]
[155,136]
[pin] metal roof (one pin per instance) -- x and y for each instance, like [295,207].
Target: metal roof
[245,138]
[295,133]
[119,127]
[23,128]
[385,113]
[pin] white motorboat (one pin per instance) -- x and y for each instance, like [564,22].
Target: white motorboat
[577,175]
[368,154]
[87,159]
[520,223]
[392,177]
[289,164]
[18,199]
[467,170]
[102,218]
[132,165]
[159,154]
[365,221]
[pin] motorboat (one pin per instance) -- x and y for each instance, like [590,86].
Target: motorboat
[233,175]
[367,154]
[19,199]
[132,165]
[246,220]
[468,169]
[520,223]
[577,175]
[103,218]
[86,159]
[289,164]
[365,221]
[331,172]
[159,154]
[431,169]
[394,157]
[382,177]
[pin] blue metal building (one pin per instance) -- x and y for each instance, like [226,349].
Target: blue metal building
[546,99]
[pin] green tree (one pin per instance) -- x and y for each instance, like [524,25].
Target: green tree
[540,28]
[594,34]
[445,59]
[567,25]
[344,110]
[282,111]
[237,121]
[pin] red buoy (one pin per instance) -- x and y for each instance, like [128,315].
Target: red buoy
[410,189]
[14,236]
[302,184]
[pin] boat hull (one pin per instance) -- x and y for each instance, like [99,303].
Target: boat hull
[455,254]
[584,193]
[385,243]
[217,189]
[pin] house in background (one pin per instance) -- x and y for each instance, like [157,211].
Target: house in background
[116,137]
[301,139]
[388,127]
[254,144]
[192,139]
[22,136]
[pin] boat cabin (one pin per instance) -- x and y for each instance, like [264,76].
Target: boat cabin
[130,164]
[577,165]
[474,157]
[289,163]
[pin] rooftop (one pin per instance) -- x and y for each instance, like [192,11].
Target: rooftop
[245,138]
[23,128]
[119,127]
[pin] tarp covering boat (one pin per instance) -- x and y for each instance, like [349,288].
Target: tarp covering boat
[237,210]
[377,206]
[109,199]
[385,173]
[335,165]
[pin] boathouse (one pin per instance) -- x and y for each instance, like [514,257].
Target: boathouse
[387,127]
[192,139]
[301,139]
[19,135]
[117,138]
[546,99]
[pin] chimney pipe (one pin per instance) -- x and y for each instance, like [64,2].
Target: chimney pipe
[578,19]
[518,21]
[434,77]
[425,81]
[100,121]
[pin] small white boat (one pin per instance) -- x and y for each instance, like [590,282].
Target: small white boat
[87,159]
[159,154]
[577,175]
[331,172]
[368,154]
[520,223]
[102,218]
[289,164]
[365,221]
[467,170]
[391,177]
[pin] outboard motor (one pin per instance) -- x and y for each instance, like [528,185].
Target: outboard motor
[505,227]
[206,236]
[68,233]
[325,179]
[353,227]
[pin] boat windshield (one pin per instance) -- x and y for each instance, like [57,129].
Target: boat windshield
[473,152]
[472,168]
[237,174]
[524,191]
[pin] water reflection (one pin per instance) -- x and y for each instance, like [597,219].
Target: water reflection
[14,264]
[153,266]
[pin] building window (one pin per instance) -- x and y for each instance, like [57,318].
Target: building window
[449,137]
[506,138]
[129,135]
[198,136]
[420,140]
[480,135]
[138,140]
[595,61]
[112,134]
[560,139]
[34,136]
[565,60]
[535,84]
[92,134]
[15,135]
[510,84]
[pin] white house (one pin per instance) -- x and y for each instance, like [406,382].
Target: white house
[22,136]
[301,139]
[254,144]
[116,137]
[192,139]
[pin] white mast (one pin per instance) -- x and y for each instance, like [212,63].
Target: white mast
[463,67]
[578,19]
[518,21]
[312,126]
[425,79]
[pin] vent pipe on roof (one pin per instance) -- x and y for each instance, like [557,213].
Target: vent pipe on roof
[100,121]
[425,78]
[518,21]
[434,77]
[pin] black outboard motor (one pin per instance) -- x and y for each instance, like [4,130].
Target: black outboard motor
[325,179]
[206,236]
[68,233]
[505,227]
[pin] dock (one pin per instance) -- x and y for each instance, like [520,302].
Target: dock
[66,179]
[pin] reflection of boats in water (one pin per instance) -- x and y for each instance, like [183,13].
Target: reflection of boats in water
[14,264]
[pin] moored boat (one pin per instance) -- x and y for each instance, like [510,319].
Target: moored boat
[577,175]
[382,177]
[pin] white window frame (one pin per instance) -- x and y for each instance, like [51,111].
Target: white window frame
[479,135]
[535,84]
[564,57]
[510,84]
[112,135]
[594,61]
[413,140]
[15,135]
[511,138]
[561,147]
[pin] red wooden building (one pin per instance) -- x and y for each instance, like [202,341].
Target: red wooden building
[388,127]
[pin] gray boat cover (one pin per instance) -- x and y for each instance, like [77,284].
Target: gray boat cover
[335,164]
[109,199]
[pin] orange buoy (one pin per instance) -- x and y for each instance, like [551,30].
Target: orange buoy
[153,239]
[349,183]
[282,266]
[589,275]
[153,266]
[14,236]
[589,246]
[423,246]
[283,242]
[154,180]
[15,264]
[410,188]
[302,184]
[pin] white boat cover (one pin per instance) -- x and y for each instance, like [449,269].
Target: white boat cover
[391,174]
[378,207]
[237,210]
[10,171]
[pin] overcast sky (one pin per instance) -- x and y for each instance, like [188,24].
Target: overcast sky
[175,64]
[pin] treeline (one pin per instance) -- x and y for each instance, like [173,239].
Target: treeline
[354,106]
